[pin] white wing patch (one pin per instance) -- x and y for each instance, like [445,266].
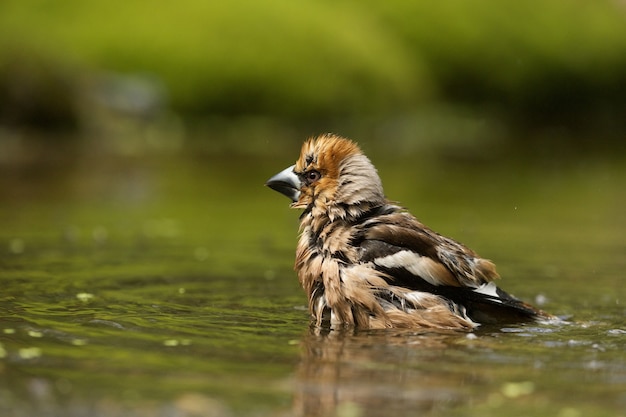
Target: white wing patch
[420,266]
[489,289]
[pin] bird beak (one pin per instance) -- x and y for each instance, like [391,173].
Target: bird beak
[286,182]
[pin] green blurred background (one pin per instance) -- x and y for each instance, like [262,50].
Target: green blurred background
[145,268]
[555,66]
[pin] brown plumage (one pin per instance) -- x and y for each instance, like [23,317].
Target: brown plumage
[364,261]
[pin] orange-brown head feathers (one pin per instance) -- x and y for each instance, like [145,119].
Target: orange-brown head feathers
[332,177]
[334,171]
[325,152]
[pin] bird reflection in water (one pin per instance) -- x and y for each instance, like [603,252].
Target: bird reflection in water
[376,373]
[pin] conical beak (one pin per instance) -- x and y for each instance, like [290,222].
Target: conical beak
[286,182]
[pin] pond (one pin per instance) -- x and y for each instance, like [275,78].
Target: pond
[161,284]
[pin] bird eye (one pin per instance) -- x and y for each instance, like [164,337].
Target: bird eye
[312,176]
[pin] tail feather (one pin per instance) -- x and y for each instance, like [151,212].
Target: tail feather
[489,304]
[486,304]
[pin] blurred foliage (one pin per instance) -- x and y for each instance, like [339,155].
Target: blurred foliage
[315,60]
[536,56]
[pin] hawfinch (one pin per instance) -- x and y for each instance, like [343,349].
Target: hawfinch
[366,262]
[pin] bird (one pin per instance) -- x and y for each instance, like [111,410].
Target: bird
[366,262]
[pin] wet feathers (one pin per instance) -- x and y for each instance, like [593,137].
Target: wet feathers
[366,262]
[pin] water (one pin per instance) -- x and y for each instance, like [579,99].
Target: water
[162,285]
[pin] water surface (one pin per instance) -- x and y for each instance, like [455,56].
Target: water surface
[162,285]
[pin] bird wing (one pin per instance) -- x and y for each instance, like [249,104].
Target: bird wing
[399,241]
[414,257]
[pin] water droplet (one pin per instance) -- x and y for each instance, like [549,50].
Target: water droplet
[569,412]
[348,409]
[517,389]
[84,296]
[29,353]
[541,299]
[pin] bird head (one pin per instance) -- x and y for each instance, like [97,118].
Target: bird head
[331,171]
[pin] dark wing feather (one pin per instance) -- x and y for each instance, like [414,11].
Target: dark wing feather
[501,307]
[455,272]
[400,231]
